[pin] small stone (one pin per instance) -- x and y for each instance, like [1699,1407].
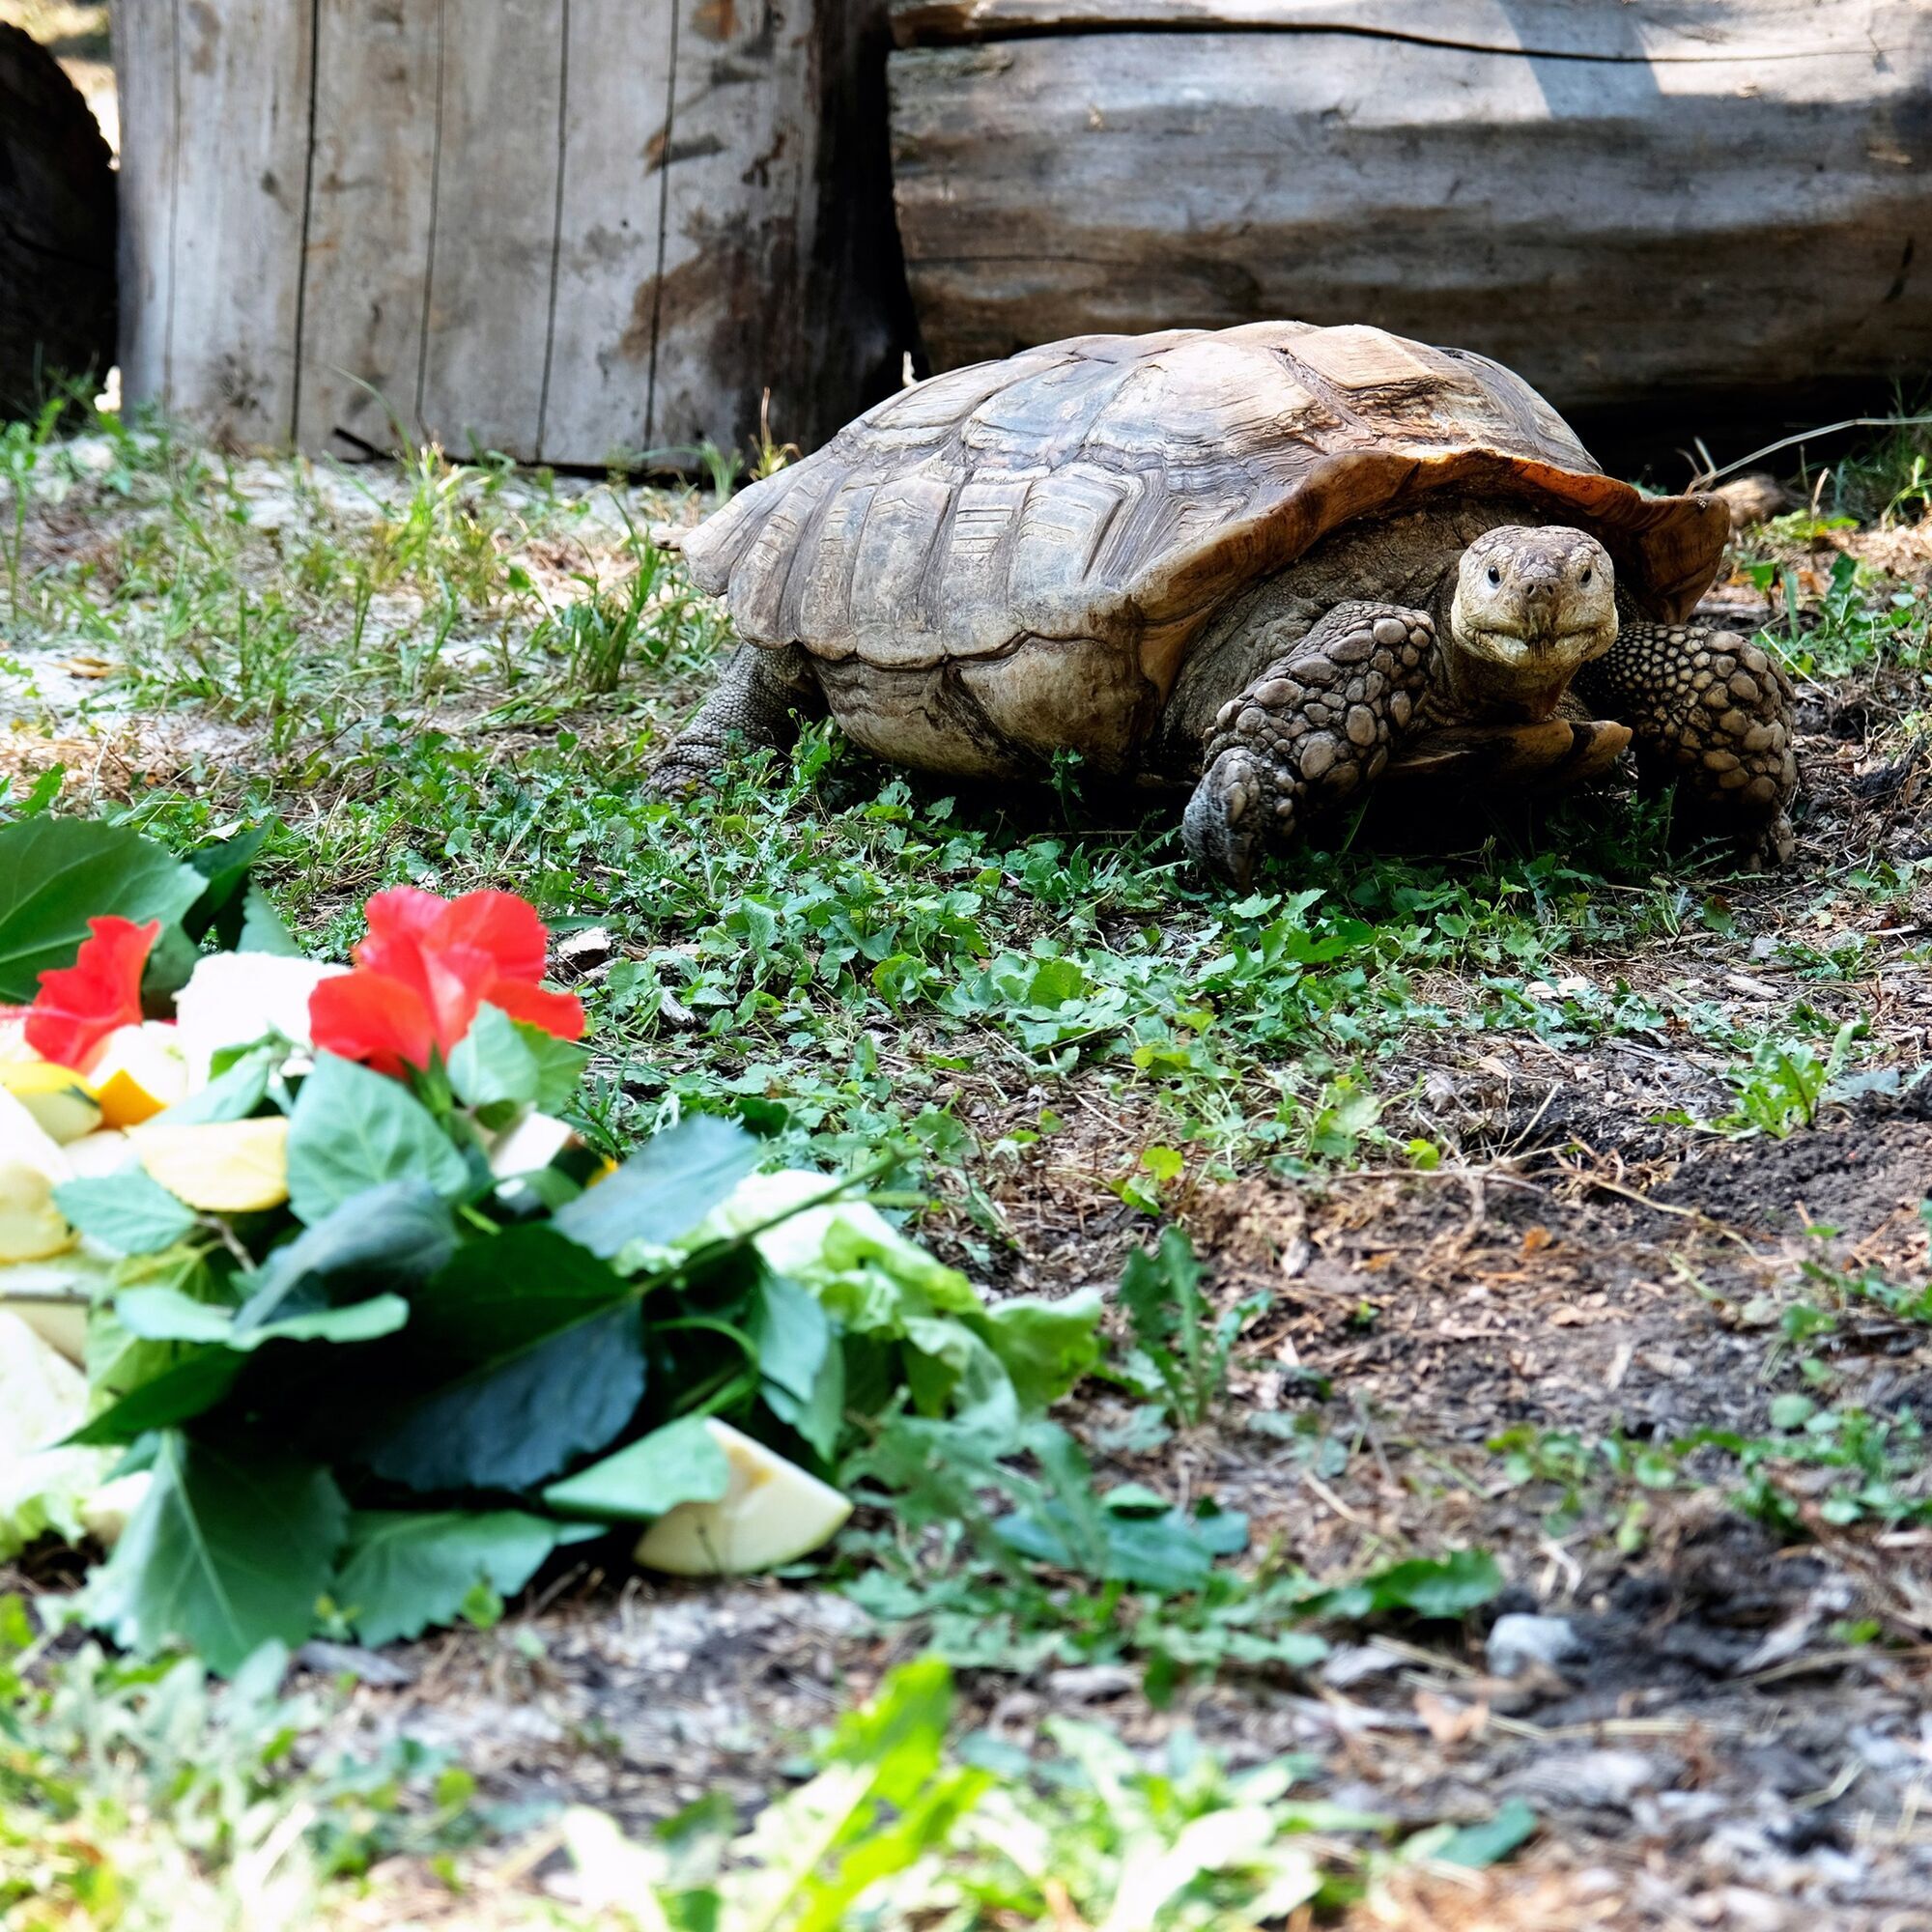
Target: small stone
[1227,714]
[1323,714]
[1251,720]
[1735,723]
[1284,809]
[1516,1641]
[1361,726]
[1390,631]
[1720,761]
[1343,780]
[1717,697]
[1699,678]
[589,947]
[1754,660]
[1744,688]
[1318,755]
[1730,781]
[1355,687]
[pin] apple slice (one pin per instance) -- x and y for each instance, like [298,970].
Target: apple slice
[220,1167]
[234,999]
[136,1071]
[31,1227]
[771,1512]
[57,1096]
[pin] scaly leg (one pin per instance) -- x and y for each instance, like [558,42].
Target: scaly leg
[1712,711]
[754,700]
[1311,729]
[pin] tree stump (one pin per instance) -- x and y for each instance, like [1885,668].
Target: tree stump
[56,229]
[579,232]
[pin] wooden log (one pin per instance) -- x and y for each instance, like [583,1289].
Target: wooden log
[56,229]
[1630,203]
[570,230]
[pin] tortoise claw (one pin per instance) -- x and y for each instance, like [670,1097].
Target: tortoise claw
[1223,827]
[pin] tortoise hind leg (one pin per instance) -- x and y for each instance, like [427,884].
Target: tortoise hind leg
[1308,731]
[757,699]
[1712,711]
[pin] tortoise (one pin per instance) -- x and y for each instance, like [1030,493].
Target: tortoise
[1271,564]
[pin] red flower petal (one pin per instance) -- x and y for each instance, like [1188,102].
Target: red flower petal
[400,922]
[79,1005]
[456,976]
[560,1014]
[501,925]
[372,1017]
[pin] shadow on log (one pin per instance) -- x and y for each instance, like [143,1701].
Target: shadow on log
[56,229]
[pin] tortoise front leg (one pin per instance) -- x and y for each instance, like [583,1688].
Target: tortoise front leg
[753,700]
[1308,731]
[1712,711]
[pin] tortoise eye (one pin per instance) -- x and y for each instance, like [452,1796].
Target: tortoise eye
[1495,575]
[1586,577]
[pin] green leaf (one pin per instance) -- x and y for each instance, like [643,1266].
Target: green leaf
[166,1315]
[803,1373]
[1478,1845]
[262,928]
[396,1233]
[1429,1586]
[530,1352]
[680,1462]
[130,1212]
[230,1096]
[182,1390]
[404,1569]
[501,1059]
[229,1549]
[58,873]
[353,1129]
[664,1190]
[225,868]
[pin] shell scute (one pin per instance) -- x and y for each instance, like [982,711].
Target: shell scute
[1119,489]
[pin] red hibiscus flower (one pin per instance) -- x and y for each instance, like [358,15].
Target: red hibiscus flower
[425,967]
[79,1005]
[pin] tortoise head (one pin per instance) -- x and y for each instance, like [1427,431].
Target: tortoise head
[1532,606]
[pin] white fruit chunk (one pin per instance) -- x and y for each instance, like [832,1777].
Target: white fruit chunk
[234,999]
[771,1512]
[55,1297]
[105,1511]
[136,1071]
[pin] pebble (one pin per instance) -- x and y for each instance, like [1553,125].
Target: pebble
[1516,1641]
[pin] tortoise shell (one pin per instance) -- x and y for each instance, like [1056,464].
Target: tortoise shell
[1121,488]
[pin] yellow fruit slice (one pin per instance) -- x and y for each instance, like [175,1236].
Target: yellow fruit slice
[31,1227]
[222,1167]
[65,1106]
[772,1513]
[136,1071]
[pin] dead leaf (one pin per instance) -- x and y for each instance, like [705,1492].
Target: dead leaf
[1451,1724]
[1535,1240]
